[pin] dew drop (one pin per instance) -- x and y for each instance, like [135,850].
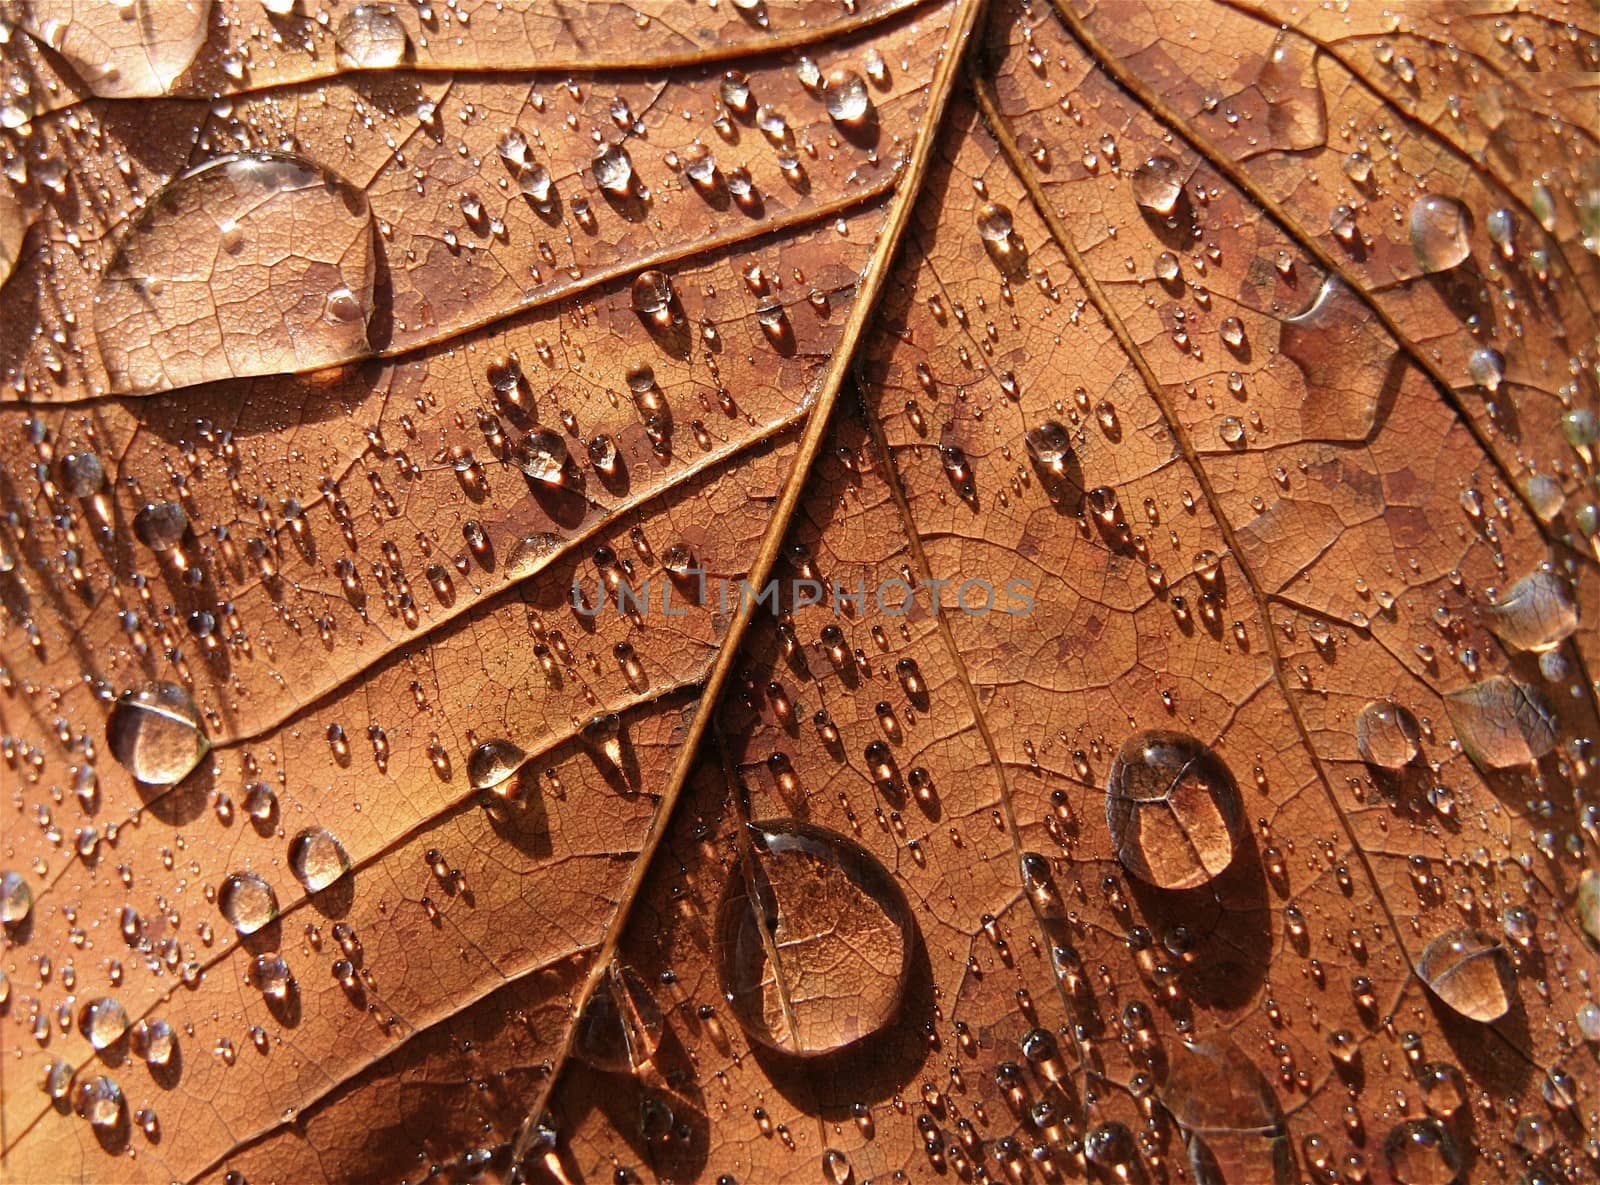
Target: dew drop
[1470,972]
[1173,809]
[317,858]
[493,763]
[247,902]
[844,94]
[1502,723]
[100,1101]
[1345,356]
[16,898]
[1387,735]
[994,222]
[1158,184]
[828,913]
[543,456]
[82,473]
[154,732]
[103,1021]
[1535,614]
[613,170]
[160,526]
[1441,232]
[370,37]
[155,1041]
[1232,1122]
[1050,446]
[135,49]
[1422,1152]
[175,307]
[620,1029]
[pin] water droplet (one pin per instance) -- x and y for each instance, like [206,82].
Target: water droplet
[1536,614]
[370,37]
[247,902]
[1444,1089]
[317,858]
[652,297]
[1050,446]
[175,307]
[82,473]
[1230,1116]
[493,763]
[994,222]
[1158,184]
[620,1029]
[134,49]
[1501,722]
[103,1021]
[1441,230]
[543,456]
[827,912]
[1422,1152]
[844,94]
[155,1041]
[1487,368]
[613,170]
[1470,972]
[270,975]
[160,526]
[154,732]
[1345,356]
[1588,903]
[100,1101]
[1387,735]
[1173,809]
[16,898]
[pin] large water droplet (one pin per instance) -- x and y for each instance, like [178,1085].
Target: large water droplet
[1535,614]
[255,263]
[613,170]
[1422,1152]
[1158,184]
[16,898]
[154,732]
[1387,735]
[370,37]
[1470,972]
[844,94]
[620,1028]
[1231,1118]
[126,50]
[100,1101]
[317,858]
[493,763]
[1345,356]
[1502,723]
[815,940]
[1441,232]
[1297,115]
[1173,809]
[155,1041]
[1588,903]
[103,1021]
[543,456]
[247,901]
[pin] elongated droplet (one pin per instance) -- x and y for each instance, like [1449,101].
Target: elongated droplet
[247,901]
[1231,1118]
[1345,355]
[818,957]
[154,732]
[371,37]
[1535,614]
[204,284]
[493,763]
[134,49]
[317,858]
[1173,809]
[155,1041]
[1422,1152]
[1470,972]
[16,898]
[620,1028]
[1387,735]
[1441,231]
[1297,115]
[1502,723]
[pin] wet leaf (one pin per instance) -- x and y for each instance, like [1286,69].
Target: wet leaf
[767,591]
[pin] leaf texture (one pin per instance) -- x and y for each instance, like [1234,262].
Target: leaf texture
[1171,430]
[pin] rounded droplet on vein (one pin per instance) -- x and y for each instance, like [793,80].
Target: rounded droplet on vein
[1502,723]
[371,37]
[1158,184]
[1173,809]
[16,898]
[254,263]
[814,942]
[1535,614]
[103,1021]
[1441,233]
[620,1029]
[1470,972]
[247,901]
[131,50]
[1231,1118]
[317,858]
[154,732]
[1422,1152]
[492,763]
[1387,735]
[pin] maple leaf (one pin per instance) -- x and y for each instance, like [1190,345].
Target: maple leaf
[776,590]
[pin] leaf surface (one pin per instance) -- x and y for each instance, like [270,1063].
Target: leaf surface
[1181,429]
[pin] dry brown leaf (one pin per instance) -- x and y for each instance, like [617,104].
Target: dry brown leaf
[1180,420]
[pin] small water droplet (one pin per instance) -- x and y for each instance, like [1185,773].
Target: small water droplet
[1158,184]
[844,94]
[247,902]
[370,37]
